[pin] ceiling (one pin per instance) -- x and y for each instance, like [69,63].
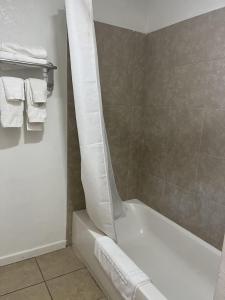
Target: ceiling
[150,15]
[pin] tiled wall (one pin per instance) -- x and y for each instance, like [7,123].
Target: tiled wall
[165,122]
[121,63]
[183,165]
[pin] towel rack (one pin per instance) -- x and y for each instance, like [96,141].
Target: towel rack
[48,69]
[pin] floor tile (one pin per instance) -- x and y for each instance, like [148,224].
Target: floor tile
[19,275]
[58,263]
[37,292]
[78,285]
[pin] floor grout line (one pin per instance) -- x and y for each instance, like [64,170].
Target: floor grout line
[48,291]
[43,278]
[39,268]
[45,281]
[82,268]
[23,288]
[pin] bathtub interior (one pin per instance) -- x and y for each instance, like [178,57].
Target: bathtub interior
[180,265]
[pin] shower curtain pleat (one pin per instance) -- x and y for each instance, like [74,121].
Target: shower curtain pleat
[103,202]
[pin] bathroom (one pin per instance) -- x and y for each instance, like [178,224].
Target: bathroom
[153,75]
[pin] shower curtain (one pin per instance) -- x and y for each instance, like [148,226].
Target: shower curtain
[102,199]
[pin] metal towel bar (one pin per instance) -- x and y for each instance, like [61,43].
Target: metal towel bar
[48,69]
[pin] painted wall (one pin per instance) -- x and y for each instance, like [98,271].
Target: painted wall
[32,165]
[163,13]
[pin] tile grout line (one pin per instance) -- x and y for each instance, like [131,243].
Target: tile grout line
[48,291]
[82,268]
[43,278]
[23,288]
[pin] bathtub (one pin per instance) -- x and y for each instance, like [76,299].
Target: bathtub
[180,265]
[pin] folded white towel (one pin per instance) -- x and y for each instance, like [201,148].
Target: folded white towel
[38,90]
[11,111]
[35,52]
[124,274]
[14,88]
[22,58]
[36,112]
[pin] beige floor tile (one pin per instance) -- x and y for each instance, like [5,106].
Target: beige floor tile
[19,275]
[37,292]
[78,285]
[58,263]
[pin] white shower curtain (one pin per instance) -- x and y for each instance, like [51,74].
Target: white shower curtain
[102,200]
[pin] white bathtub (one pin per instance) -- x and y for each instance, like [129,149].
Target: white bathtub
[180,265]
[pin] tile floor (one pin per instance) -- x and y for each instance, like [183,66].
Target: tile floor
[55,276]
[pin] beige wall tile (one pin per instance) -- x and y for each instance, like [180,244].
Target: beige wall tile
[211,175]
[213,138]
[183,124]
[163,98]
[211,220]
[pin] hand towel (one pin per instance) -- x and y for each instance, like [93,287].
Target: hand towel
[11,111]
[122,271]
[38,90]
[14,88]
[220,289]
[35,52]
[22,58]
[36,112]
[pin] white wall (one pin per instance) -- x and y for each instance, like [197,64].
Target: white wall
[130,14]
[32,166]
[163,13]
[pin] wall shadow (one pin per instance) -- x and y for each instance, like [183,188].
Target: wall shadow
[9,137]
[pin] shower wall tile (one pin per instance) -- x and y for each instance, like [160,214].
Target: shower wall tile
[152,190]
[199,85]
[184,125]
[154,157]
[159,83]
[181,168]
[211,220]
[180,206]
[121,55]
[213,138]
[184,128]
[121,62]
[135,151]
[136,68]
[163,99]
[211,175]
[190,41]
[117,119]
[118,49]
